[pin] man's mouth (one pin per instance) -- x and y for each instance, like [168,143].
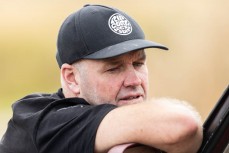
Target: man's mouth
[130,100]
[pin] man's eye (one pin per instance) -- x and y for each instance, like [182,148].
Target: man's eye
[139,64]
[113,69]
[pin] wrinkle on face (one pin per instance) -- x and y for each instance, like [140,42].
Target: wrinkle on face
[98,85]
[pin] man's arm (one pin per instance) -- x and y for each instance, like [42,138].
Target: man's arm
[169,126]
[133,148]
[141,149]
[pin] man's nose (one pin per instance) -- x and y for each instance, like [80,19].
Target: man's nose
[132,78]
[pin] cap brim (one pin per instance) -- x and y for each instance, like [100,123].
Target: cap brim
[124,47]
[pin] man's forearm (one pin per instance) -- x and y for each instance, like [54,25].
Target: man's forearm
[168,126]
[191,139]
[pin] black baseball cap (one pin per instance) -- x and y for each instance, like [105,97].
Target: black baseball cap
[98,32]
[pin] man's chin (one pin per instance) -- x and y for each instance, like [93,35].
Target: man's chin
[129,102]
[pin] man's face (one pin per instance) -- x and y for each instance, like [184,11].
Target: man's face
[119,80]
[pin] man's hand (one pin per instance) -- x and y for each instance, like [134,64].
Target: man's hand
[141,149]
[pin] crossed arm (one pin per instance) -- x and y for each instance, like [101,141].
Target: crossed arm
[167,125]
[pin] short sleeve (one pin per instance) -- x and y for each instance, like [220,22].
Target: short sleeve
[70,129]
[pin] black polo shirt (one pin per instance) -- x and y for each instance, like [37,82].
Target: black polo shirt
[50,123]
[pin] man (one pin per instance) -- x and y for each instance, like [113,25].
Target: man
[102,105]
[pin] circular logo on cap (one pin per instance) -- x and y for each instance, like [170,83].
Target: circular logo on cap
[119,24]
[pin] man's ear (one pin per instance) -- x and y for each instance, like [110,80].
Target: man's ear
[70,80]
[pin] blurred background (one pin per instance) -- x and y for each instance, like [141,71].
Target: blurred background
[195,69]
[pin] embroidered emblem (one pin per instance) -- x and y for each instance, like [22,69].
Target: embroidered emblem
[119,24]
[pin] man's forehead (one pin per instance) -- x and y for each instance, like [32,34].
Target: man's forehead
[138,54]
[134,55]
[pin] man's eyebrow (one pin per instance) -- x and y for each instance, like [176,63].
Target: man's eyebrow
[142,56]
[117,60]
[113,60]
